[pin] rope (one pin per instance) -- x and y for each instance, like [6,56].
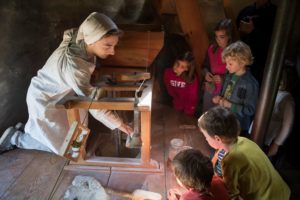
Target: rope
[146,68]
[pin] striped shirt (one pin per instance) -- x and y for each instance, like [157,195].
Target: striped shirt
[218,167]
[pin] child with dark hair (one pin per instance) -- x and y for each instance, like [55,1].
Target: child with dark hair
[194,172]
[215,67]
[182,83]
[246,170]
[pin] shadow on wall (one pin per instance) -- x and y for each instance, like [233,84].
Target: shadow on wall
[34,29]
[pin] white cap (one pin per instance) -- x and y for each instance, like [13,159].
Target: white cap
[94,27]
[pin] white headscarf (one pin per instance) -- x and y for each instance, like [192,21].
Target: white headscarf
[94,27]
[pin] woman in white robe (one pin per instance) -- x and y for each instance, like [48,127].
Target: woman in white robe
[66,72]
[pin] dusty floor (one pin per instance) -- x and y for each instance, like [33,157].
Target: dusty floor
[30,174]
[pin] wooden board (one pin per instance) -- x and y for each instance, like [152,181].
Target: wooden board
[26,173]
[12,165]
[75,139]
[133,77]
[38,178]
[124,181]
[136,49]
[85,102]
[144,106]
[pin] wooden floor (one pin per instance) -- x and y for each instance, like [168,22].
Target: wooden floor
[30,174]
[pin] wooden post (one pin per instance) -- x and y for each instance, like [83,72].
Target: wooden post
[271,79]
[145,136]
[192,24]
[73,115]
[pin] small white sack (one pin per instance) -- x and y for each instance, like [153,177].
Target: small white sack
[85,188]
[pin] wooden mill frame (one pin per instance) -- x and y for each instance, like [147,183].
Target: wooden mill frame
[133,55]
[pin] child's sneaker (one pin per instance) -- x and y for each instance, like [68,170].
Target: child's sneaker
[5,144]
[133,142]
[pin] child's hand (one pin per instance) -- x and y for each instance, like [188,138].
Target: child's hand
[216,99]
[173,194]
[221,101]
[209,86]
[217,78]
[209,77]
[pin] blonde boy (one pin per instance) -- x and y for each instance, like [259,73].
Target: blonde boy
[240,89]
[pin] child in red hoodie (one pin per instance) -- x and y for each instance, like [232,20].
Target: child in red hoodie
[182,83]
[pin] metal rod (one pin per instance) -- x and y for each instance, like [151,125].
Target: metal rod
[281,31]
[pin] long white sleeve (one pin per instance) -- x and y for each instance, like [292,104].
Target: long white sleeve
[107,118]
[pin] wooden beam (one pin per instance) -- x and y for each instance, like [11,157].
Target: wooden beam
[124,88]
[133,57]
[73,115]
[133,77]
[132,164]
[112,70]
[104,103]
[106,69]
[165,6]
[72,103]
[136,49]
[191,21]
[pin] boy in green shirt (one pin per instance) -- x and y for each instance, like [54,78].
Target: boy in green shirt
[246,170]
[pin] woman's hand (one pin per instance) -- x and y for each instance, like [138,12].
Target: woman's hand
[126,129]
